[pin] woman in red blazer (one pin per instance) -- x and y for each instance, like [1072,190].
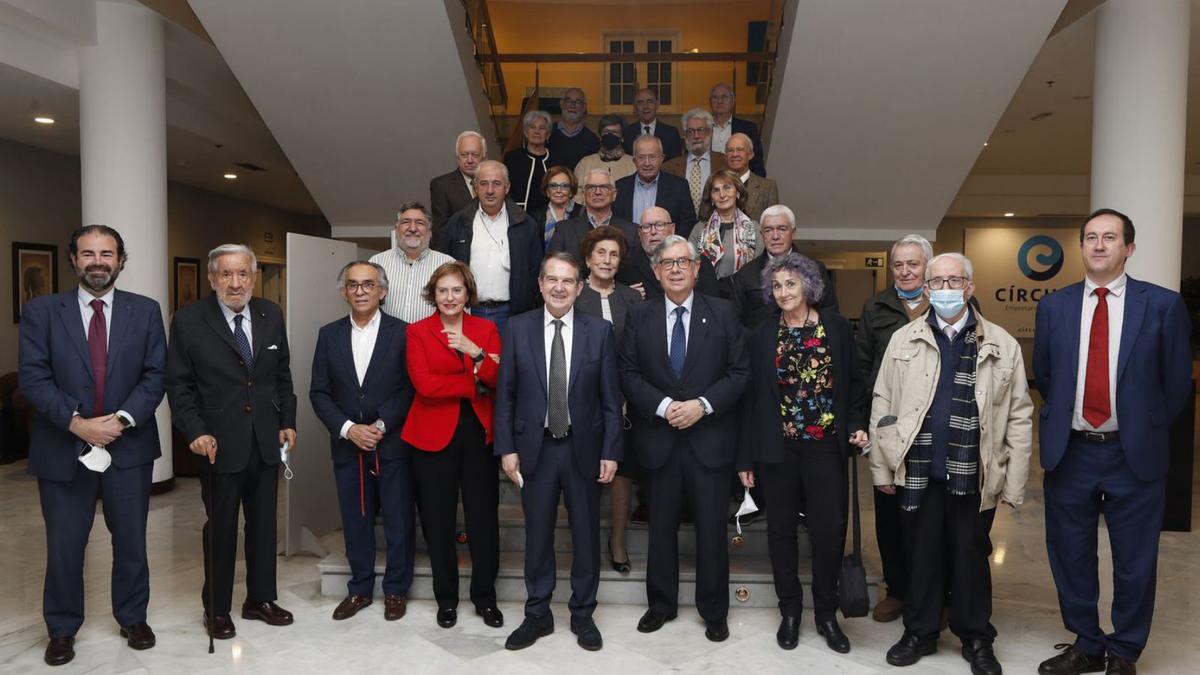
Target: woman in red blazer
[452,360]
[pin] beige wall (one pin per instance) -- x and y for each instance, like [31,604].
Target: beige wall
[40,203]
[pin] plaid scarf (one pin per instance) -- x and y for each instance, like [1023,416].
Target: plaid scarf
[744,233]
[962,441]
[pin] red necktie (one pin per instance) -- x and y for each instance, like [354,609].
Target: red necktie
[98,350]
[1095,386]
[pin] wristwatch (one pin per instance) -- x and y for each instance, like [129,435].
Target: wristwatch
[381,426]
[124,421]
[478,358]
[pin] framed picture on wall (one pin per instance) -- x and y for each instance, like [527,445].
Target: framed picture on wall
[187,282]
[35,273]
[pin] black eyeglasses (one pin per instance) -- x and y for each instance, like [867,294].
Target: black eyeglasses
[938,283]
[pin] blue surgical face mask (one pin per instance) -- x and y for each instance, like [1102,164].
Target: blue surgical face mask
[947,302]
[910,295]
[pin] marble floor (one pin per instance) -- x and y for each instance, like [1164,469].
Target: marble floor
[1025,614]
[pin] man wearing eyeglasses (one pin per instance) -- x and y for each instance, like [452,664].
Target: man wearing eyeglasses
[410,263]
[952,425]
[598,194]
[450,192]
[700,161]
[571,141]
[686,419]
[645,106]
[364,407]
[725,125]
[636,270]
[650,186]
[611,156]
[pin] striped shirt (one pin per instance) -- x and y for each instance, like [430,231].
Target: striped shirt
[406,279]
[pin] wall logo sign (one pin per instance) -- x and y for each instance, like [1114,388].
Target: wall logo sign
[1046,264]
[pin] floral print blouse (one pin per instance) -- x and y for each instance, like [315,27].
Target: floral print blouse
[805,372]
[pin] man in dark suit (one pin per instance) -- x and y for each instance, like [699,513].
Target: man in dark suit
[361,392]
[645,105]
[636,270]
[725,125]
[229,383]
[558,431]
[92,361]
[598,192]
[450,192]
[683,371]
[650,186]
[778,228]
[1113,363]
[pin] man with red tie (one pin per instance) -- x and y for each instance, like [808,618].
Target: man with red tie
[1113,363]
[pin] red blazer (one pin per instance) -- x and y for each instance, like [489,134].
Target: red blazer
[443,376]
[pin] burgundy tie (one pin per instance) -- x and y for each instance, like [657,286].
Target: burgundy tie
[98,350]
[1096,409]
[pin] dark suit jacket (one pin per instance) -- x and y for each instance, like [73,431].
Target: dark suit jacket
[55,374]
[211,391]
[761,438]
[569,234]
[679,166]
[715,368]
[525,250]
[448,194]
[636,269]
[758,164]
[746,291]
[671,141]
[385,394]
[1154,372]
[593,393]
[619,302]
[672,194]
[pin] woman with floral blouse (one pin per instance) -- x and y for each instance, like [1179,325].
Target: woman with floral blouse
[805,409]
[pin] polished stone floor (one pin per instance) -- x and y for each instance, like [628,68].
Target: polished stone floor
[1025,614]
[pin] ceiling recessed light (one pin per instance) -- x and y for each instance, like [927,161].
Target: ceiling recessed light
[1010,214]
[985,144]
[43,119]
[231,176]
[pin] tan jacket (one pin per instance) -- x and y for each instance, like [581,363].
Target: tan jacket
[904,390]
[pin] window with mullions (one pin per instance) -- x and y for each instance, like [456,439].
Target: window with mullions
[658,73]
[622,77]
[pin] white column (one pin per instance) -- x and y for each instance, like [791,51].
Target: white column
[1138,127]
[123,154]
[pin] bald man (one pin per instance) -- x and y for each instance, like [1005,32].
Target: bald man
[571,141]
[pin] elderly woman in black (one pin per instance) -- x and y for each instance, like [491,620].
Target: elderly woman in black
[805,408]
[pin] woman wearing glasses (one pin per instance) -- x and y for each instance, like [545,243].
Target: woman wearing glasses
[729,238]
[560,188]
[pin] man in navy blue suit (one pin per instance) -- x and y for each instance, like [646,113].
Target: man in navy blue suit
[361,392]
[651,186]
[92,362]
[645,105]
[1113,363]
[558,430]
[683,371]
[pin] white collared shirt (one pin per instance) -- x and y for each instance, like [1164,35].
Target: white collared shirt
[470,184]
[687,333]
[721,134]
[86,312]
[489,255]
[362,346]
[958,325]
[568,337]
[745,177]
[1116,315]
[245,313]
[642,127]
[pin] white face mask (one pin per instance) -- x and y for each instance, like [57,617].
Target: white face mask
[96,459]
[283,457]
[748,506]
[947,302]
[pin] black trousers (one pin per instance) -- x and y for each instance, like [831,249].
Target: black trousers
[69,509]
[948,531]
[556,473]
[814,471]
[684,479]
[255,490]
[362,492]
[465,463]
[891,544]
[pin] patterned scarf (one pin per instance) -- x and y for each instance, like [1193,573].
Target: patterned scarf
[962,441]
[744,233]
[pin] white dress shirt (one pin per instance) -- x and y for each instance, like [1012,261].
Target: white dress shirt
[489,255]
[362,346]
[568,337]
[245,313]
[958,325]
[652,126]
[86,312]
[469,182]
[1116,314]
[687,333]
[721,134]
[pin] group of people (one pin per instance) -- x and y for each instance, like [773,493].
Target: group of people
[652,332]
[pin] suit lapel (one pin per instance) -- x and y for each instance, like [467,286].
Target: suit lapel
[73,323]
[1074,316]
[537,345]
[258,320]
[344,350]
[579,344]
[1131,324]
[118,326]
[216,321]
[658,332]
[382,339]
[697,332]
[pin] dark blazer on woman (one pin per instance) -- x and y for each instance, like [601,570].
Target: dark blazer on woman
[619,302]
[761,436]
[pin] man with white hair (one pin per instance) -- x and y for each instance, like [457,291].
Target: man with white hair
[760,192]
[449,192]
[725,125]
[598,191]
[952,428]
[700,161]
[229,383]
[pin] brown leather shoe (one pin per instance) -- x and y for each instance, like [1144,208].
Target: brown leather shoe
[267,612]
[348,607]
[888,609]
[394,607]
[60,650]
[138,635]
[222,626]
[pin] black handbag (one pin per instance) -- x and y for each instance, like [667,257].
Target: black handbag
[853,597]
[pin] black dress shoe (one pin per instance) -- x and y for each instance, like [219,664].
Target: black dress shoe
[1071,661]
[640,515]
[491,616]
[652,621]
[909,650]
[529,631]
[138,635]
[350,606]
[222,628]
[835,639]
[1119,665]
[716,631]
[588,635]
[788,635]
[60,650]
[981,657]
[447,617]
[622,566]
[268,612]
